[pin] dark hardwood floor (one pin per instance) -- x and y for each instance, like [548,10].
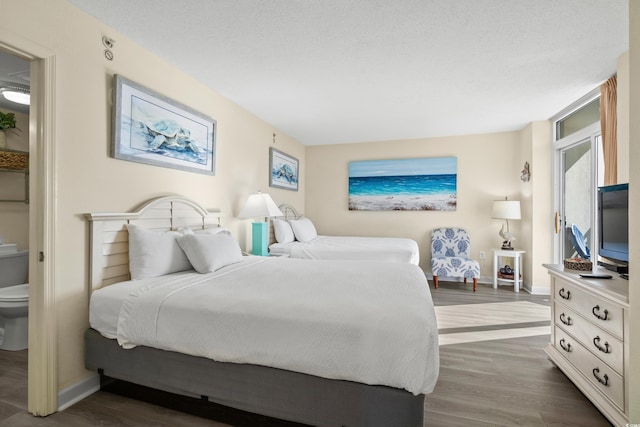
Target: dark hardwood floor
[504,382]
[501,382]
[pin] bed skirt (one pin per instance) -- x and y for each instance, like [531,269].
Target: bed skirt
[277,393]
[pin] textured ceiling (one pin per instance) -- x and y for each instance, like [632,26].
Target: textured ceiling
[339,71]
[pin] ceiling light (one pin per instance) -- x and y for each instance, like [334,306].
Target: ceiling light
[16,93]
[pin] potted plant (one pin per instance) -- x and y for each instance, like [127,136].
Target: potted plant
[7,121]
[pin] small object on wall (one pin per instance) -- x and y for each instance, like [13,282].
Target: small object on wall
[108,42]
[525,175]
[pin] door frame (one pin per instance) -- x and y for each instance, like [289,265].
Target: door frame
[43,355]
[590,133]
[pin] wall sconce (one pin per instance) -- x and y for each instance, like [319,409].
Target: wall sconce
[525,175]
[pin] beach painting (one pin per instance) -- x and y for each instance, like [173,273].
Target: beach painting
[422,184]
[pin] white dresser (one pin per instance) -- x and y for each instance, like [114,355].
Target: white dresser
[589,337]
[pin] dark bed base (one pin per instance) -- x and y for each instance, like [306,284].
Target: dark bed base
[198,407]
[262,390]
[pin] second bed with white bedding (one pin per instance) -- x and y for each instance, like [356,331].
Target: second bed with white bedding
[352,248]
[374,326]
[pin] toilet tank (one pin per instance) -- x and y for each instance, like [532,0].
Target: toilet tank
[14,268]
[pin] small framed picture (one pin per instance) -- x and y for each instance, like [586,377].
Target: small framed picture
[283,170]
[153,129]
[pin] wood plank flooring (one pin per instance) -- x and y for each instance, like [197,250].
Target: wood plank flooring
[487,380]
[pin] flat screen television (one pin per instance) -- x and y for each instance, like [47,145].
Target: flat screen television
[613,223]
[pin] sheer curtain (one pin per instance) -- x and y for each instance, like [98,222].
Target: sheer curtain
[608,123]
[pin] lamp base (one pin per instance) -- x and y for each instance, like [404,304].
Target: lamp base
[259,238]
[506,246]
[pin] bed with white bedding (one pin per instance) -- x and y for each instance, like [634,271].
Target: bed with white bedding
[296,237]
[317,342]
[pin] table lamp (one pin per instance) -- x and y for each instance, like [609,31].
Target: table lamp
[260,205]
[506,209]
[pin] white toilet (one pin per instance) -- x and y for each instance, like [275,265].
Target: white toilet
[14,300]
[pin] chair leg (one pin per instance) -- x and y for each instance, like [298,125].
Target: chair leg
[435,281]
[475,283]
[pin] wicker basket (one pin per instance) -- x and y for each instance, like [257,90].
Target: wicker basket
[579,264]
[507,276]
[13,160]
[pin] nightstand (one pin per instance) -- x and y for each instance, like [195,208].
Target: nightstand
[498,254]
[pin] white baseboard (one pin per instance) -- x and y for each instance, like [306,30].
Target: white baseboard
[488,280]
[536,290]
[78,391]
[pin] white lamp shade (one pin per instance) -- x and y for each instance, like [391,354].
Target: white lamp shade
[506,209]
[259,205]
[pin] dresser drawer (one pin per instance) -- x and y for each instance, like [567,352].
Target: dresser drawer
[604,345]
[597,372]
[602,313]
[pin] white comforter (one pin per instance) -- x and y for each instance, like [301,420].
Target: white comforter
[352,248]
[368,322]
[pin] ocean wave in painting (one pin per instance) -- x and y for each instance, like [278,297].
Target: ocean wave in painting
[410,185]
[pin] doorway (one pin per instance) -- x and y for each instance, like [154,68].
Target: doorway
[577,199]
[576,180]
[14,189]
[42,353]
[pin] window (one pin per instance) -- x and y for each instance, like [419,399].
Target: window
[578,119]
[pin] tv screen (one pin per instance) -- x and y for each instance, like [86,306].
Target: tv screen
[613,216]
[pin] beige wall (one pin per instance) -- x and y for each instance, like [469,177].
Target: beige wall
[88,180]
[634,210]
[623,117]
[14,216]
[537,204]
[488,169]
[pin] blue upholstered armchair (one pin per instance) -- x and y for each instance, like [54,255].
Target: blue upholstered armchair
[450,248]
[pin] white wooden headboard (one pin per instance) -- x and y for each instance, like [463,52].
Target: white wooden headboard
[109,239]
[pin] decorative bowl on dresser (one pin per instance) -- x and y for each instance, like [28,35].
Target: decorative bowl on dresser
[590,337]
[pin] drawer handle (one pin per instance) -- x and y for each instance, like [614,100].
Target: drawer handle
[564,294]
[602,381]
[605,349]
[566,347]
[595,309]
[566,320]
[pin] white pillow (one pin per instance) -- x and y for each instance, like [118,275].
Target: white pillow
[212,230]
[303,229]
[282,230]
[210,252]
[154,253]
